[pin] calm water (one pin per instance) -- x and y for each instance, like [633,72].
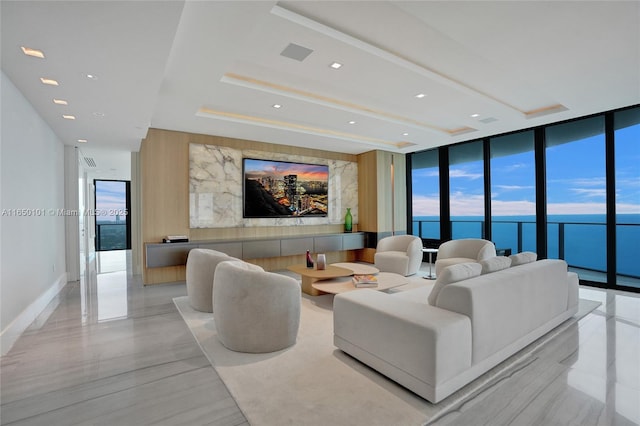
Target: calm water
[584,237]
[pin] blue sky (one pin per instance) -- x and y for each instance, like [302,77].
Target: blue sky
[110,196]
[575,181]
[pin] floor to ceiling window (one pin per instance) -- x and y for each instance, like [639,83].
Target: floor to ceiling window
[576,196]
[627,165]
[466,188]
[513,192]
[425,184]
[567,190]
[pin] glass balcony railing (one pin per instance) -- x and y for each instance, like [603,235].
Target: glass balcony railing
[111,236]
[581,244]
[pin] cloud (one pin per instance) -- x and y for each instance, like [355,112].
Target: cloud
[514,187]
[599,181]
[513,208]
[460,173]
[514,167]
[473,206]
[599,192]
[576,208]
[418,173]
[426,206]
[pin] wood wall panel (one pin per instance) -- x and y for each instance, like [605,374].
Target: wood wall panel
[380,210]
[164,158]
[367,192]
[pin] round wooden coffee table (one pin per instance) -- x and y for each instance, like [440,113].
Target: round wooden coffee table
[311,275]
[357,268]
[386,281]
[334,270]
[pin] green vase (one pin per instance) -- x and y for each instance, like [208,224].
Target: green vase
[348,221]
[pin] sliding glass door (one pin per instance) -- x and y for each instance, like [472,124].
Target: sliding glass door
[627,191]
[466,188]
[513,192]
[425,184]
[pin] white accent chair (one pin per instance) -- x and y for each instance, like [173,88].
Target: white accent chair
[401,254]
[201,267]
[463,251]
[255,311]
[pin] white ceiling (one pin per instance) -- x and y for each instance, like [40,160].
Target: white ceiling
[214,67]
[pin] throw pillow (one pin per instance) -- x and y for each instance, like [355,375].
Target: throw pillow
[522,258]
[453,274]
[494,264]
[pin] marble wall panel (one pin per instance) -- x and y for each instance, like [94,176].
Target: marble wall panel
[215,188]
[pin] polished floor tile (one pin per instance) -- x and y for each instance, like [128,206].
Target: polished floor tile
[110,351]
[587,375]
[113,353]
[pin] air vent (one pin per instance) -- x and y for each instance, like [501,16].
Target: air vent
[488,120]
[296,52]
[405,144]
[90,162]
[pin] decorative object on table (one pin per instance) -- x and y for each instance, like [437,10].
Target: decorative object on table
[321,261]
[365,280]
[348,221]
[309,260]
[175,239]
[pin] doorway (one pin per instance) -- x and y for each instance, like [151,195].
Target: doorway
[112,224]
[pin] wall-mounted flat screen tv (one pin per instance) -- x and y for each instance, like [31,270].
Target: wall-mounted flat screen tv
[284,189]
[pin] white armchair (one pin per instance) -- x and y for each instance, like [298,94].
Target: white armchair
[255,311]
[201,267]
[401,254]
[462,251]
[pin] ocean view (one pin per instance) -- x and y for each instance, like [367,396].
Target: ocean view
[582,238]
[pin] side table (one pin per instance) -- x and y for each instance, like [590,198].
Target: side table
[431,275]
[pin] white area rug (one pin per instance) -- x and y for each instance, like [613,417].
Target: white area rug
[314,383]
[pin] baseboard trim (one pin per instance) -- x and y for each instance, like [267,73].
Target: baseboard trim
[13,331]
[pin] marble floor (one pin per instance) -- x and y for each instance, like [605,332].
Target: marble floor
[113,352]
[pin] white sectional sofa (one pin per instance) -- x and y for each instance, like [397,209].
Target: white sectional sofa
[472,325]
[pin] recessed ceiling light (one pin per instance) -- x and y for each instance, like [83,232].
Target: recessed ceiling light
[69,117]
[475,115]
[335,65]
[420,95]
[276,106]
[60,102]
[49,81]
[82,140]
[352,122]
[405,134]
[32,52]
[92,76]
[98,114]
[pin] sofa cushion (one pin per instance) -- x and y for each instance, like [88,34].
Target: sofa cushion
[494,264]
[522,258]
[452,274]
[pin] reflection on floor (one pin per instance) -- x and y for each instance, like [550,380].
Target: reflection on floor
[118,353]
[601,277]
[113,260]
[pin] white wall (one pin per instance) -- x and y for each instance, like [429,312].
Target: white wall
[32,261]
